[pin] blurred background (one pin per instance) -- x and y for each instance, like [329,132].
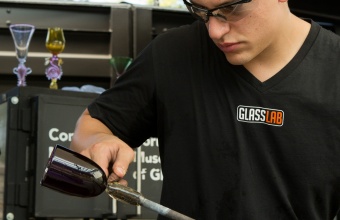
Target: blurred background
[161,3]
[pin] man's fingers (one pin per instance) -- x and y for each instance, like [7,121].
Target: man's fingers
[113,178]
[124,157]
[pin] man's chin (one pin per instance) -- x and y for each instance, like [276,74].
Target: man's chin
[235,59]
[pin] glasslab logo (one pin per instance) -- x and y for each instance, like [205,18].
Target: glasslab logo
[252,114]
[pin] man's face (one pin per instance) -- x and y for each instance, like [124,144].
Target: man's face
[249,30]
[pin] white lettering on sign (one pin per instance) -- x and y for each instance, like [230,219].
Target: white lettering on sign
[55,135]
[156,174]
[154,159]
[151,142]
[142,173]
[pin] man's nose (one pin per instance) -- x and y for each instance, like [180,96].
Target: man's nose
[217,28]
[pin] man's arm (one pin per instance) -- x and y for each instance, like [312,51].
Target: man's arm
[94,140]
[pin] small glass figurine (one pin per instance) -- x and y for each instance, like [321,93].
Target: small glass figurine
[55,43]
[21,34]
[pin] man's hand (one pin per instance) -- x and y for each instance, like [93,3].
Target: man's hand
[95,141]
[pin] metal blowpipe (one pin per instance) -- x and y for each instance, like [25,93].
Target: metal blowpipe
[73,174]
[132,197]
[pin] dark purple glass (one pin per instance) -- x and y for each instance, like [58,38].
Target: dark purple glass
[71,173]
[74,174]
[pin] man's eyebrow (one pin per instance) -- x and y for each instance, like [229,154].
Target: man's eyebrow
[219,5]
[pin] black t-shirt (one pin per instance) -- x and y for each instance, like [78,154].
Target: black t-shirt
[232,147]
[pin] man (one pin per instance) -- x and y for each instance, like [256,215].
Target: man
[245,103]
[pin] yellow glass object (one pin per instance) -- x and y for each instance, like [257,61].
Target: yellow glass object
[53,84]
[55,40]
[55,43]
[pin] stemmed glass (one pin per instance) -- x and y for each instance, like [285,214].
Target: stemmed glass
[22,34]
[120,64]
[55,43]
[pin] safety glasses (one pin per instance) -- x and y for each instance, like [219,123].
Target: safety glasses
[232,11]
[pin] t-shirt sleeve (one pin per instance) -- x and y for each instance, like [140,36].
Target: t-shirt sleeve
[128,108]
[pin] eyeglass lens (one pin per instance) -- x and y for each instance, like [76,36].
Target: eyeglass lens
[229,12]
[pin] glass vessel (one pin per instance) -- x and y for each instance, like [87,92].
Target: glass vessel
[55,44]
[73,174]
[22,34]
[119,64]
